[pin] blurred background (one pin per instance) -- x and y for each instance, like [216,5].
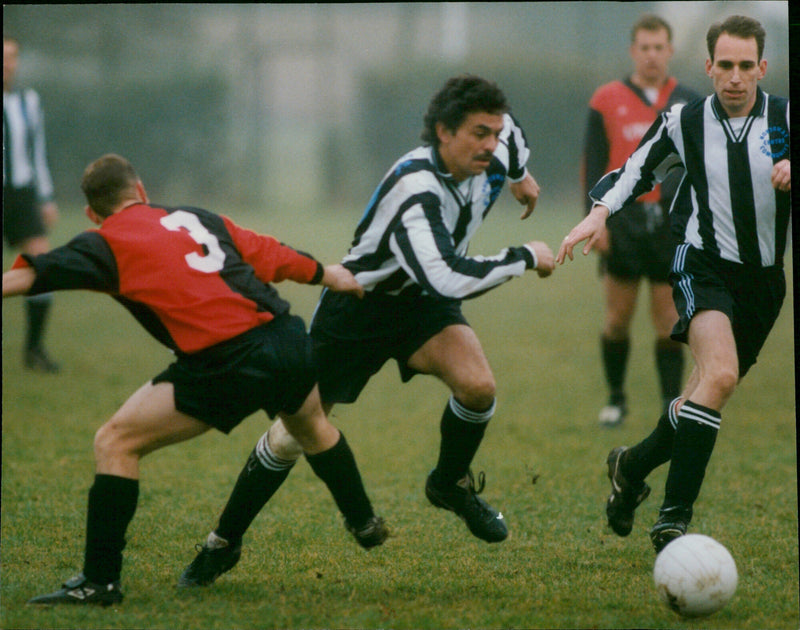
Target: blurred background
[306,105]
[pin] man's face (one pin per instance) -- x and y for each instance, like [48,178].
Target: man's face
[651,52]
[735,73]
[10,54]
[468,150]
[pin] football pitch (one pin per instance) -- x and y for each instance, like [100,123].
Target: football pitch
[544,458]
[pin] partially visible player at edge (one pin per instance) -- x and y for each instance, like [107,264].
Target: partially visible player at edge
[29,208]
[410,254]
[727,275]
[200,285]
[638,243]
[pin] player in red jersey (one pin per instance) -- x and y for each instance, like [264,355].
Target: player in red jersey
[200,285]
[638,244]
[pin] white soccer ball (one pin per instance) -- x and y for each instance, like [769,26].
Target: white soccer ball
[695,575]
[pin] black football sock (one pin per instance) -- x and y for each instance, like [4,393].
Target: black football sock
[615,362]
[694,441]
[654,450]
[262,475]
[669,364]
[337,468]
[112,504]
[462,431]
[36,309]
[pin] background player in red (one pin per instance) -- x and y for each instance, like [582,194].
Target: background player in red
[637,243]
[200,284]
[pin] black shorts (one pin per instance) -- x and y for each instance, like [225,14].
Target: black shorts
[641,244]
[22,218]
[751,297]
[270,367]
[353,338]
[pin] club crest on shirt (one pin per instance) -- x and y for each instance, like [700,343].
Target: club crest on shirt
[491,188]
[775,142]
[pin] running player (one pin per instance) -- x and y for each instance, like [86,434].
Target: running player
[200,284]
[410,254]
[728,280]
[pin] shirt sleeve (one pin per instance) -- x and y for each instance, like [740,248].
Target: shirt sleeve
[513,137]
[86,262]
[654,158]
[425,250]
[272,260]
[42,177]
[595,154]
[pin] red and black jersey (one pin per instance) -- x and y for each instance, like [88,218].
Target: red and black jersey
[619,116]
[192,278]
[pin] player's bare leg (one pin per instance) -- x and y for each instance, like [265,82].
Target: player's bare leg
[456,357]
[713,346]
[305,431]
[147,421]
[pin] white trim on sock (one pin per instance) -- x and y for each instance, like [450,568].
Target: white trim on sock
[468,415]
[268,459]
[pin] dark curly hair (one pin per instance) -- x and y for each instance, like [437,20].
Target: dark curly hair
[460,96]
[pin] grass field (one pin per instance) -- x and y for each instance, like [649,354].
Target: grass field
[543,455]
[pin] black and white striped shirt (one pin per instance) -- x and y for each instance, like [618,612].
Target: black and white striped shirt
[414,234]
[725,204]
[24,155]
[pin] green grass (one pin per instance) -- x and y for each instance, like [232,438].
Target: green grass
[544,457]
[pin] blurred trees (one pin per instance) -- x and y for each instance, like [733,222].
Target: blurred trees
[310,103]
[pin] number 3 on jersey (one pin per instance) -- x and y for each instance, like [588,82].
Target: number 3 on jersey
[214,259]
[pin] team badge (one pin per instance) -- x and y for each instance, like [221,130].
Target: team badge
[775,142]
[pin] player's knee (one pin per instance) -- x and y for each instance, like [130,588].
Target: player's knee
[720,383]
[107,442]
[281,442]
[725,379]
[479,393]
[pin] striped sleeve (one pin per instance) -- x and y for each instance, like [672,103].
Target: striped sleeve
[43,180]
[654,158]
[513,138]
[426,252]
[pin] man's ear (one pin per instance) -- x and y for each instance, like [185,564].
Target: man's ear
[142,192]
[93,216]
[442,132]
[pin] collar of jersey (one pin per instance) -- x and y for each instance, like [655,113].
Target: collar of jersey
[759,107]
[438,164]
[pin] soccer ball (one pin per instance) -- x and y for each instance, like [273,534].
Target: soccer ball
[695,575]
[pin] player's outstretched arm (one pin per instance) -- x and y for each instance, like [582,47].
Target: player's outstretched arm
[338,278]
[526,191]
[18,281]
[590,228]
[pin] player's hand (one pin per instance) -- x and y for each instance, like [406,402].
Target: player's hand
[782,176]
[526,192]
[338,278]
[590,228]
[545,262]
[603,242]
